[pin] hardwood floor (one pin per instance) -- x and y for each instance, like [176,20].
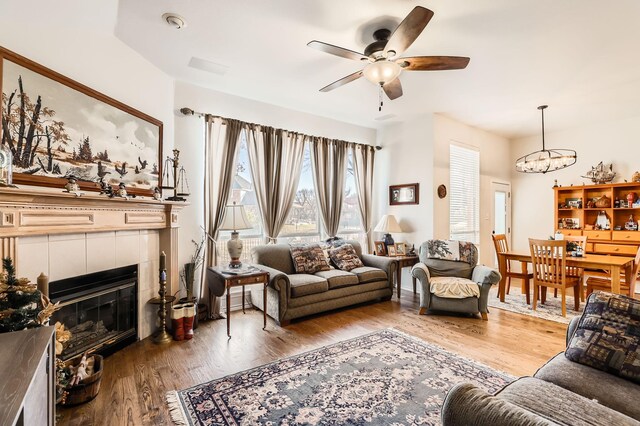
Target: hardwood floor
[135,379]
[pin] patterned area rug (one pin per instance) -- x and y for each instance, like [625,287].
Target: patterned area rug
[551,310]
[386,377]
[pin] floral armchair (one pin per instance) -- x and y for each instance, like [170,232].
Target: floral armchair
[451,278]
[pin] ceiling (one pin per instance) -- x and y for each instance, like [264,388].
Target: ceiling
[579,56]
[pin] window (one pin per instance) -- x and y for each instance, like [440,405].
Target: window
[350,220]
[464,194]
[302,225]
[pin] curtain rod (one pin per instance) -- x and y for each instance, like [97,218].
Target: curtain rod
[189,111]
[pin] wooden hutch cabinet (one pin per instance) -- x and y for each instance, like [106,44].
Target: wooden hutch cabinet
[575,215]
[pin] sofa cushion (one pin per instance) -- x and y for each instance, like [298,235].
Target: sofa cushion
[305,284]
[608,335]
[345,257]
[367,274]
[609,390]
[560,405]
[308,258]
[453,287]
[337,278]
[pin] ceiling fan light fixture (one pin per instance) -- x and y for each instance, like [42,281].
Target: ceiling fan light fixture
[382,72]
[546,160]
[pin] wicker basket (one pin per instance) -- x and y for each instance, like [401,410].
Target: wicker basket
[88,388]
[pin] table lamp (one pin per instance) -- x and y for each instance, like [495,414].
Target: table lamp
[235,218]
[387,225]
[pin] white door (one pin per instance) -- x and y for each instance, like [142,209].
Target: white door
[501,210]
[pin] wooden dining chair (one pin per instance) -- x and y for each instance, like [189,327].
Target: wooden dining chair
[601,283]
[549,260]
[573,271]
[501,245]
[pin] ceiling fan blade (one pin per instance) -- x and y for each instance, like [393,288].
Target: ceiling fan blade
[393,89]
[433,63]
[408,31]
[344,80]
[338,51]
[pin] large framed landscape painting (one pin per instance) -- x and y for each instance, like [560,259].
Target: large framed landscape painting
[57,128]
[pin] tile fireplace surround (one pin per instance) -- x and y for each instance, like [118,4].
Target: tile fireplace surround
[63,236]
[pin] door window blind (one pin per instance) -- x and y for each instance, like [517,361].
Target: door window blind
[464,194]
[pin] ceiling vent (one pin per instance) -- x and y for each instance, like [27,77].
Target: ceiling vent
[208,66]
[385,117]
[174,20]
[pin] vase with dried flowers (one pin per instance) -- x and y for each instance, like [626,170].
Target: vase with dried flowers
[188,273]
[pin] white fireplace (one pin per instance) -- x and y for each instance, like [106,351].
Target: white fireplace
[63,236]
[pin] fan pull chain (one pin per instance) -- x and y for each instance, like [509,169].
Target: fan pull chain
[380,99]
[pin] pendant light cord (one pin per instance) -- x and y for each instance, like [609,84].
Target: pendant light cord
[542,108]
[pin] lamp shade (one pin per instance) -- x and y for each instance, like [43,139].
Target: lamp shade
[235,218]
[388,224]
[381,72]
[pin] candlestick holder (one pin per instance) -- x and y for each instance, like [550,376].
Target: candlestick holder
[162,336]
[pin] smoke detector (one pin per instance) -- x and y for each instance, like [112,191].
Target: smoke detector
[175,20]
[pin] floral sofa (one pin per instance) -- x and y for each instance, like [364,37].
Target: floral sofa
[293,295]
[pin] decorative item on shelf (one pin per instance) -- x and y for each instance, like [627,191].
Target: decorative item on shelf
[588,227]
[401,249]
[381,248]
[6,166]
[603,202]
[387,225]
[235,219]
[179,191]
[391,250]
[404,194]
[590,204]
[162,336]
[635,177]
[616,203]
[546,160]
[631,224]
[602,221]
[574,203]
[555,183]
[72,186]
[157,194]
[601,174]
[442,191]
[631,198]
[412,252]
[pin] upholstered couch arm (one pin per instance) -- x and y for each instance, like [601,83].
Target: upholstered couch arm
[387,264]
[278,280]
[420,271]
[466,404]
[572,328]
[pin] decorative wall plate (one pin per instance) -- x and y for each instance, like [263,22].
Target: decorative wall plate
[442,191]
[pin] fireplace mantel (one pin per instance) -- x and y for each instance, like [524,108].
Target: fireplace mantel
[30,212]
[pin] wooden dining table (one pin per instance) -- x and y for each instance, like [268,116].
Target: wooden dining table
[614,264]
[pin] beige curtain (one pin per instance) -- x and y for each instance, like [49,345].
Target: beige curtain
[363,159]
[329,158]
[221,141]
[275,156]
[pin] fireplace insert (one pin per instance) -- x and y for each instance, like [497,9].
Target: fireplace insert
[99,309]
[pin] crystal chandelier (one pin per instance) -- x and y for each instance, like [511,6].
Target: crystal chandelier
[546,160]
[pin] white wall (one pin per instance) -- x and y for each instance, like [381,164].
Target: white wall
[612,142]
[406,157]
[189,136]
[495,165]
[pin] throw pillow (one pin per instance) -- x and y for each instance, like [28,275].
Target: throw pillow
[608,335]
[308,259]
[345,257]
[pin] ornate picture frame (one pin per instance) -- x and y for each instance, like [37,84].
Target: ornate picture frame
[404,194]
[57,128]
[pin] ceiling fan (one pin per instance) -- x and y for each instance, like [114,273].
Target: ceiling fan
[384,63]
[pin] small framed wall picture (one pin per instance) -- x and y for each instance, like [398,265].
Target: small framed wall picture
[391,251]
[401,249]
[381,250]
[404,194]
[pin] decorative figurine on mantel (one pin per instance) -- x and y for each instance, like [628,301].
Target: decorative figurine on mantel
[105,188]
[122,190]
[179,178]
[6,166]
[636,177]
[72,186]
[157,194]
